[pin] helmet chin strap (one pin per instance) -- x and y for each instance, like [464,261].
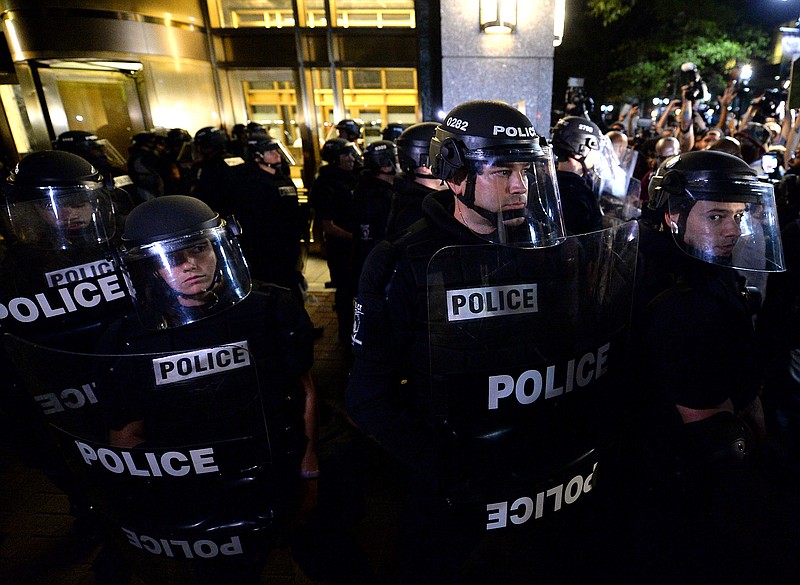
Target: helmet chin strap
[468,199]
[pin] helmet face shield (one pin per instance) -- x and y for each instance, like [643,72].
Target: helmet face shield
[516,195]
[735,224]
[61,217]
[180,280]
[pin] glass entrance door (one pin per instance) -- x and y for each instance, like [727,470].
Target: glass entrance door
[105,103]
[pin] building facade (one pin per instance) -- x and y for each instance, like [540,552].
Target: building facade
[116,67]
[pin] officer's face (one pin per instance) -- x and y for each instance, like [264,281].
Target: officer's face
[71,217]
[713,227]
[499,189]
[271,157]
[347,161]
[190,272]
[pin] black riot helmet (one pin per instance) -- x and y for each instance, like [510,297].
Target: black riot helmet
[58,199]
[142,141]
[96,150]
[79,142]
[475,140]
[413,146]
[381,153]
[177,137]
[261,142]
[350,128]
[575,137]
[335,147]
[392,131]
[718,210]
[210,138]
[183,261]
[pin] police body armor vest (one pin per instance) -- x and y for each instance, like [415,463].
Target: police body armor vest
[525,345]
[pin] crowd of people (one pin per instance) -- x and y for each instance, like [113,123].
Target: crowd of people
[579,347]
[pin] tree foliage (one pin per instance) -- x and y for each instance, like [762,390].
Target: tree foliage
[652,41]
[608,11]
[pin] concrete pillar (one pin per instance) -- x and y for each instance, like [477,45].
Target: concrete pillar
[515,68]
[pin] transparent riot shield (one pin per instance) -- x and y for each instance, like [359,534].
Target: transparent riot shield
[526,346]
[177,451]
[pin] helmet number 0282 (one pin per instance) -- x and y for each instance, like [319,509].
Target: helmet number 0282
[457,123]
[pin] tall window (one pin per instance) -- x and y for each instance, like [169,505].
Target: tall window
[344,13]
[374,97]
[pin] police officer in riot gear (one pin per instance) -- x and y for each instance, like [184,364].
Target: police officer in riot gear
[421,355]
[393,130]
[415,181]
[702,421]
[332,200]
[349,130]
[193,297]
[58,288]
[372,202]
[576,142]
[265,201]
[62,225]
[214,170]
[99,152]
[144,167]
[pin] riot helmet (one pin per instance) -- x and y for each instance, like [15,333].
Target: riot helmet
[337,147]
[393,131]
[576,137]
[98,151]
[379,154]
[413,147]
[177,137]
[498,167]
[259,144]
[58,199]
[254,128]
[183,262]
[142,141]
[210,138]
[349,129]
[718,210]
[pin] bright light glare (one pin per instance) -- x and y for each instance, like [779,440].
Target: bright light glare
[746,73]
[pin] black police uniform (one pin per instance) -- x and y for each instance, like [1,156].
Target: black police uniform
[579,204]
[700,514]
[390,345]
[332,199]
[212,178]
[371,207]
[144,169]
[267,208]
[406,203]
